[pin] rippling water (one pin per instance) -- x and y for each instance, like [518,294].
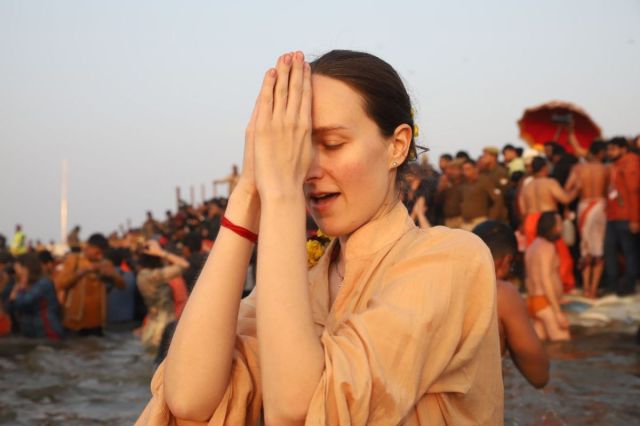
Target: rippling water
[595,380]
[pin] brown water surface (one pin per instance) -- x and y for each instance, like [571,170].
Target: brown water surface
[595,381]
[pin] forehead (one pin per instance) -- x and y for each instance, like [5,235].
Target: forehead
[335,103]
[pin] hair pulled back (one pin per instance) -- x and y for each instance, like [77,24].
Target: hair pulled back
[386,100]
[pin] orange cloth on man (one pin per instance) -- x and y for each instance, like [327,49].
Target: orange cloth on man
[412,337]
[531,226]
[536,304]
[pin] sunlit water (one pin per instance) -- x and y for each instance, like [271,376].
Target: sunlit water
[92,381]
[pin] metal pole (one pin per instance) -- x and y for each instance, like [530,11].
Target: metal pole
[64,211]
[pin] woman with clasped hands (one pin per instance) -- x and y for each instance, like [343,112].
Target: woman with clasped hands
[393,325]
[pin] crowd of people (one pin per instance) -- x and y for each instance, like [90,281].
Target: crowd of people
[545,197]
[524,204]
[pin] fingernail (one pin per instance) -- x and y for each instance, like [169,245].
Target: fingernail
[272,72]
[299,56]
[287,59]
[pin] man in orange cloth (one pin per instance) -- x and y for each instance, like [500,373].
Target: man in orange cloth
[592,179]
[543,283]
[84,277]
[543,194]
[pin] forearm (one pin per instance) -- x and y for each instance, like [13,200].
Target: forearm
[579,150]
[534,365]
[198,364]
[176,260]
[289,377]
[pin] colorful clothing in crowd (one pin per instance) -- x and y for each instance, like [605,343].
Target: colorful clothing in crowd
[158,296]
[85,299]
[37,311]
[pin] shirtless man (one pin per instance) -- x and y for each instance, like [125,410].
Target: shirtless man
[592,180]
[516,332]
[544,286]
[540,194]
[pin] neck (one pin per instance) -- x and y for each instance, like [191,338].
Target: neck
[343,240]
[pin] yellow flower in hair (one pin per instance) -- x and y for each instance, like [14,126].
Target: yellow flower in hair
[416,128]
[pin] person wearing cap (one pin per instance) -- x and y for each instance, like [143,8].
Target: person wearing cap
[498,174]
[481,200]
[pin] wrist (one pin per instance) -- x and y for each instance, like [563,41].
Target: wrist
[243,208]
[282,196]
[245,186]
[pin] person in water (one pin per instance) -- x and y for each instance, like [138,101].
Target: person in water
[516,331]
[393,325]
[544,285]
[33,300]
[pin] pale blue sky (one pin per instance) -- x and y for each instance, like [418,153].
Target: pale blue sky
[141,96]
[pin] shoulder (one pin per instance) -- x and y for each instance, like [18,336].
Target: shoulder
[508,295]
[441,250]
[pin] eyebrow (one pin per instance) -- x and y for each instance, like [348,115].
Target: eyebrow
[326,129]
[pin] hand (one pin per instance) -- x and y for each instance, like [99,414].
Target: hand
[634,227]
[152,248]
[106,268]
[563,323]
[282,151]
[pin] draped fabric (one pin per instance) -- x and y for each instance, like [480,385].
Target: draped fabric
[412,337]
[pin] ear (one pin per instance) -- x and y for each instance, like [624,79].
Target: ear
[399,146]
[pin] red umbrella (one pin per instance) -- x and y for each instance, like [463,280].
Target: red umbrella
[551,122]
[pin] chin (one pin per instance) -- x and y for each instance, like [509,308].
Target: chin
[334,227]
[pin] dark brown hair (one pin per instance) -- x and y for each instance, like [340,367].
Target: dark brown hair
[386,100]
[32,263]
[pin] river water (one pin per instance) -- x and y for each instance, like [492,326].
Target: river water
[93,381]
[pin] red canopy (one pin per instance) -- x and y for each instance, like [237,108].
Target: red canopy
[541,124]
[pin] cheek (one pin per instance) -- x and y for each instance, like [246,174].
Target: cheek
[364,180]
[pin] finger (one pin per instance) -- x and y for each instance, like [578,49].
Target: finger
[265,100]
[296,82]
[251,127]
[282,83]
[305,107]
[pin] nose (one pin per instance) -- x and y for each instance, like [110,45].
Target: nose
[316,170]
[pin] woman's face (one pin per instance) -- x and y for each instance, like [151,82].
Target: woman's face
[351,178]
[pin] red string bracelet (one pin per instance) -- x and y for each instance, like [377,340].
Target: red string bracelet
[243,232]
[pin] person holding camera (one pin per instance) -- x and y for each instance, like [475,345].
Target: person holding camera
[84,279]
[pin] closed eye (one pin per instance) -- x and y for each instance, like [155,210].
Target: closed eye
[333,146]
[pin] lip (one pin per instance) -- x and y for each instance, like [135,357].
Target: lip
[323,204]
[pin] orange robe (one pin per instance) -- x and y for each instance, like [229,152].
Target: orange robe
[412,337]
